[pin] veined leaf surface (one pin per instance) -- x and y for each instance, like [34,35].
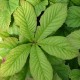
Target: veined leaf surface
[51,20]
[39,65]
[25,18]
[15,60]
[59,47]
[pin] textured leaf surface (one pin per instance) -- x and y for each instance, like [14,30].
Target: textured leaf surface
[25,18]
[75,74]
[4,19]
[7,7]
[59,47]
[15,60]
[39,65]
[77,2]
[59,67]
[20,76]
[79,59]
[51,20]
[13,4]
[58,1]
[62,70]
[9,42]
[74,38]
[13,30]
[73,19]
[39,5]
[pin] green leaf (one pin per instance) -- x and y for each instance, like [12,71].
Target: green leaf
[59,47]
[7,7]
[77,2]
[15,60]
[13,4]
[39,5]
[73,19]
[21,75]
[59,67]
[13,30]
[5,19]
[9,42]
[79,59]
[51,20]
[56,77]
[54,60]
[4,34]
[25,18]
[58,1]
[39,65]
[62,70]
[75,74]
[74,38]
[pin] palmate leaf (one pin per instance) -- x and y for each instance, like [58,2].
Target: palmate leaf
[39,5]
[74,38]
[73,19]
[75,74]
[59,47]
[51,20]
[15,60]
[39,65]
[25,18]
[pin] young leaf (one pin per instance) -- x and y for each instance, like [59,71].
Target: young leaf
[74,38]
[39,5]
[51,20]
[59,47]
[73,19]
[39,65]
[15,60]
[75,74]
[25,18]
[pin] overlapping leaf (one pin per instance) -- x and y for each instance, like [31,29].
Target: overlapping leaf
[51,20]
[58,1]
[7,44]
[7,7]
[73,19]
[59,47]
[75,74]
[15,60]
[77,2]
[39,5]
[39,65]
[25,18]
[74,38]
